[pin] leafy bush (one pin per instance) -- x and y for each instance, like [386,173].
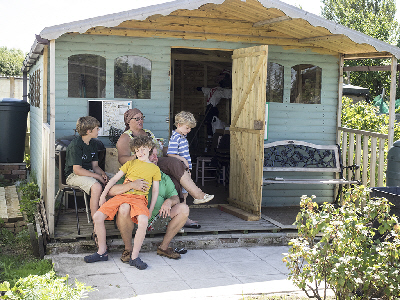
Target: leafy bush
[353,249]
[42,287]
[30,194]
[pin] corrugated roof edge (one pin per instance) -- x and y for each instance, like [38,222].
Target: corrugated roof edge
[333,27]
[110,20]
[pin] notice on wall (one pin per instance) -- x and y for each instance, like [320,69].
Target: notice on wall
[109,113]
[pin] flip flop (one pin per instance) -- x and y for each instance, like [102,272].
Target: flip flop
[180,250]
[192,225]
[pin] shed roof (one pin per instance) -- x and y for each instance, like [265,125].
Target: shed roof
[269,22]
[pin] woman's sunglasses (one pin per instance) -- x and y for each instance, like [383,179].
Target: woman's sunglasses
[139,118]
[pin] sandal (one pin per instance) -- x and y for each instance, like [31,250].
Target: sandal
[180,250]
[138,263]
[96,257]
[192,225]
[205,199]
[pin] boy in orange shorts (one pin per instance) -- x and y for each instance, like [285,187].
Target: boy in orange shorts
[140,168]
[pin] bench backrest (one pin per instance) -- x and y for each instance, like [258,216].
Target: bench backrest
[301,156]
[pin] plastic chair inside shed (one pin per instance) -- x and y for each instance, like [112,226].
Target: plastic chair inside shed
[65,188]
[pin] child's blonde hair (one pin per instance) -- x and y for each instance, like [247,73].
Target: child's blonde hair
[185,118]
[142,141]
[86,123]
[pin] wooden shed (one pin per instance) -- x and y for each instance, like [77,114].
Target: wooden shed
[280,57]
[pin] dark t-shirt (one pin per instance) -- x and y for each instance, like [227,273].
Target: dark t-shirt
[79,153]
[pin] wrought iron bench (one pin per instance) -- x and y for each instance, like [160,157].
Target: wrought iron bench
[299,156]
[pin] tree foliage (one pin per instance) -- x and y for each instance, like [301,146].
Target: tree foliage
[375,18]
[11,61]
[365,116]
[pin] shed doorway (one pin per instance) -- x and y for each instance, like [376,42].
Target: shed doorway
[244,114]
[191,71]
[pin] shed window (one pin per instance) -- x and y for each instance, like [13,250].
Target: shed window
[305,84]
[132,77]
[275,77]
[86,76]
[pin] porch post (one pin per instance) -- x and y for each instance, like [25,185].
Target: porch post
[51,163]
[392,101]
[340,94]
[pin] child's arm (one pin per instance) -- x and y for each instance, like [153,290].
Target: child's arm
[79,170]
[109,185]
[98,170]
[180,158]
[154,195]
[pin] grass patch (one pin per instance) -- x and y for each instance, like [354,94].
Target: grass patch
[16,256]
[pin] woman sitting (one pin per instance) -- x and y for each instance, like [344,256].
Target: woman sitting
[171,166]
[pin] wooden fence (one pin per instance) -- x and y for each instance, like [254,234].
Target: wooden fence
[367,150]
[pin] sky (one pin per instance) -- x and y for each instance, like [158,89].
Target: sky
[20,20]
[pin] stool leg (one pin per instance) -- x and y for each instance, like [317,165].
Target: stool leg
[202,172]
[197,170]
[61,204]
[223,175]
[87,208]
[76,212]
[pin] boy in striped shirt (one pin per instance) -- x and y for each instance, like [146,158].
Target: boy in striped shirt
[178,146]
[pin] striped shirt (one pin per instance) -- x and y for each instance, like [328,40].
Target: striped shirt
[178,144]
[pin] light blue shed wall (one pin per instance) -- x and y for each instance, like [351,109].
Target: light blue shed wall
[68,110]
[36,123]
[313,123]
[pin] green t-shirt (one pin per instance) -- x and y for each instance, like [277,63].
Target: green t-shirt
[167,190]
[79,153]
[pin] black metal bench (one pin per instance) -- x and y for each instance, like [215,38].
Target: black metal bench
[298,156]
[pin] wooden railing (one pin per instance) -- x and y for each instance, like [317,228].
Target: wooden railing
[367,150]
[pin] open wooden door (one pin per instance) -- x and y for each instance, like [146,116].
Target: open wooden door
[249,76]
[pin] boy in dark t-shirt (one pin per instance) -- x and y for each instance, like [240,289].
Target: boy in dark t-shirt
[82,162]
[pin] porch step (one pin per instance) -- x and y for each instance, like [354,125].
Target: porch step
[9,204]
[190,242]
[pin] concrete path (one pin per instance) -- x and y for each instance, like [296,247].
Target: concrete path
[227,273]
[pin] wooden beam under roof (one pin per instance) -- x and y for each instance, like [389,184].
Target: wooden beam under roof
[377,55]
[198,57]
[117,31]
[370,68]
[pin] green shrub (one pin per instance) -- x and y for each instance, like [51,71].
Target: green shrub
[42,287]
[352,249]
[29,192]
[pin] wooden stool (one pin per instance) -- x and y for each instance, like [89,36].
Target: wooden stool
[203,165]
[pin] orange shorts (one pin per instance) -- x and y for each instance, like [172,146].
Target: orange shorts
[138,205]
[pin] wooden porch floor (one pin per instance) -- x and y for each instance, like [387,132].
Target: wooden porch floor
[212,219]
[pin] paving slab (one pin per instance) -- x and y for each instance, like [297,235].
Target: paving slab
[224,273]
